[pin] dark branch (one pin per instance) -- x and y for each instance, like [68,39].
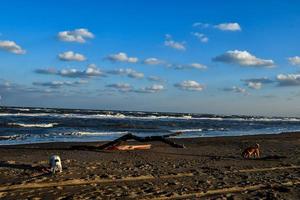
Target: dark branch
[130,136]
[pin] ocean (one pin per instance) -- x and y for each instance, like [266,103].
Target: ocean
[37,125]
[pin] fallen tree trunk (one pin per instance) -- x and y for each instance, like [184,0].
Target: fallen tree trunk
[130,136]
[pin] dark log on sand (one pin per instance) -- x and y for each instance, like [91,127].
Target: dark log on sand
[130,136]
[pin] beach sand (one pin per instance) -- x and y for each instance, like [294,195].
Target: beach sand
[209,168]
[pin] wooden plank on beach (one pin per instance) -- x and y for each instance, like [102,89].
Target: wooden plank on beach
[236,189]
[75,182]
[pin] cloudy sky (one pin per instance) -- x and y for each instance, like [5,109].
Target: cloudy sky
[235,57]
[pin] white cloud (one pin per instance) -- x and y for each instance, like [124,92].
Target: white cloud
[77,35]
[236,90]
[200,24]
[153,61]
[288,79]
[71,56]
[200,36]
[6,85]
[8,88]
[59,84]
[46,71]
[122,57]
[264,80]
[198,66]
[121,87]
[228,27]
[90,71]
[169,42]
[189,85]
[11,46]
[294,60]
[127,72]
[125,87]
[232,26]
[257,83]
[155,78]
[191,66]
[243,58]
[150,89]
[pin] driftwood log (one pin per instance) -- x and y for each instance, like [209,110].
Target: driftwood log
[130,136]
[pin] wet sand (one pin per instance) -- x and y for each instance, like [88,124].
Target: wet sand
[209,168]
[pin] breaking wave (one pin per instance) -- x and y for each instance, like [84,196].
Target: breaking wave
[150,116]
[90,133]
[50,125]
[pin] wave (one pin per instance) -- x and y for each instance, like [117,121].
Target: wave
[264,119]
[11,137]
[26,114]
[22,109]
[198,130]
[187,130]
[151,117]
[89,133]
[50,125]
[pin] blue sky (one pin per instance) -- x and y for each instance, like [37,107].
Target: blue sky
[223,57]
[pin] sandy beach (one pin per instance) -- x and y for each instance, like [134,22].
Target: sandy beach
[209,168]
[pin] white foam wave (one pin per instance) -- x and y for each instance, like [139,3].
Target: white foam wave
[199,130]
[50,125]
[26,114]
[88,133]
[187,130]
[211,118]
[265,119]
[22,109]
[150,117]
[9,137]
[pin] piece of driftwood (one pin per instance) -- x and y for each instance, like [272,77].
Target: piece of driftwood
[129,136]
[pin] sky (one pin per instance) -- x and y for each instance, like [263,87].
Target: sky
[219,57]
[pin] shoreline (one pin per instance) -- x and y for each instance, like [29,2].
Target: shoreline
[173,138]
[209,168]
